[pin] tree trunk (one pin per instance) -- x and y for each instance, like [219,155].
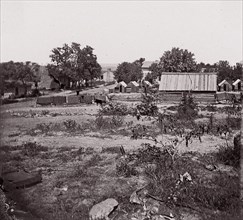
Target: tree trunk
[25,88]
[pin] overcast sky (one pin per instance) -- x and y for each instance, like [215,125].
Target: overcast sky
[122,30]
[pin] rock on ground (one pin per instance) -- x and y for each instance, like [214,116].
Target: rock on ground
[102,209]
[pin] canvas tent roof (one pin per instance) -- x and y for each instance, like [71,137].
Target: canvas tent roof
[223,82]
[177,81]
[236,82]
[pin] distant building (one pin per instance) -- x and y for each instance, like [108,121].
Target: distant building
[224,86]
[237,85]
[107,76]
[132,87]
[145,67]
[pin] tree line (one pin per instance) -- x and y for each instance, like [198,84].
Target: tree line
[77,65]
[180,60]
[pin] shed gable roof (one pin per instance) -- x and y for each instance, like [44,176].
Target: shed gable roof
[134,83]
[224,82]
[236,82]
[123,84]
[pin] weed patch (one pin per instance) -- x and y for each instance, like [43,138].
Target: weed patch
[113,108]
[126,170]
[31,149]
[107,123]
[229,155]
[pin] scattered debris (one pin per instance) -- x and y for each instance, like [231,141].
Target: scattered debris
[186,176]
[20,179]
[210,167]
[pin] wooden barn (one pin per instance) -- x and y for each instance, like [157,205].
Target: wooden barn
[121,87]
[203,86]
[237,85]
[132,87]
[224,86]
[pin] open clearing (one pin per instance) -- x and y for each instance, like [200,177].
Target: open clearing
[82,164]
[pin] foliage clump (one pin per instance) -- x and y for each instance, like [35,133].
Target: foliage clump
[102,122]
[115,108]
[230,155]
[149,104]
[187,109]
[32,149]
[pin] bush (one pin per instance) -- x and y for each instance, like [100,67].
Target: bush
[126,170]
[71,125]
[112,108]
[44,128]
[148,106]
[233,123]
[167,180]
[102,122]
[187,108]
[32,149]
[230,155]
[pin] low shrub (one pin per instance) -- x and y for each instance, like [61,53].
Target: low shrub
[44,128]
[71,125]
[176,180]
[126,170]
[229,155]
[102,122]
[114,108]
[32,149]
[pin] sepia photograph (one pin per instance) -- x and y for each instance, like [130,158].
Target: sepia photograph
[121,110]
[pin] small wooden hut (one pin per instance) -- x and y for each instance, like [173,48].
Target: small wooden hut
[121,87]
[224,86]
[132,87]
[237,85]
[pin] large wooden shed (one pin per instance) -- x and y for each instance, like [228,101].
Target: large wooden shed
[173,84]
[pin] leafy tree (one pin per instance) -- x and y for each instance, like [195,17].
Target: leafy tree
[128,72]
[72,63]
[19,71]
[206,68]
[237,71]
[177,60]
[225,71]
[155,72]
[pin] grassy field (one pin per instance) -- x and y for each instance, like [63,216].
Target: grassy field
[77,149]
